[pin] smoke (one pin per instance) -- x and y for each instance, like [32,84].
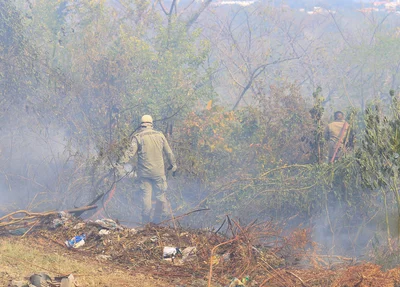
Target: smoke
[32,159]
[338,234]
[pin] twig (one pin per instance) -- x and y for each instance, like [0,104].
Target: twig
[220,226]
[37,221]
[302,282]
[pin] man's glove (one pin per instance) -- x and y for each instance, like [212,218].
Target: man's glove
[129,170]
[173,168]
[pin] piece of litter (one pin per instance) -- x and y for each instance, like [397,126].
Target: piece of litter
[104,232]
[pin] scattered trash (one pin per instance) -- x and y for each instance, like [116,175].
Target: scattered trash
[108,224]
[170,252]
[76,242]
[143,246]
[104,232]
[63,217]
[57,222]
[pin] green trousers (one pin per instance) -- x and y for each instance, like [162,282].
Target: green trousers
[154,187]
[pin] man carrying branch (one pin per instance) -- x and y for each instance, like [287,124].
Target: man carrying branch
[336,134]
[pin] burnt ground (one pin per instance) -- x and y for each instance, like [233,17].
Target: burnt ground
[123,256]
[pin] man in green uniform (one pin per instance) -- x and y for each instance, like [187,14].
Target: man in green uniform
[336,134]
[150,145]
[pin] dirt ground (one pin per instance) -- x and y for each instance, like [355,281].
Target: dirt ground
[114,255]
[22,257]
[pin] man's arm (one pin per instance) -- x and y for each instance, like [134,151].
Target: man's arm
[170,155]
[130,152]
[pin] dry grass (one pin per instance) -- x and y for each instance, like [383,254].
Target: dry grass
[20,258]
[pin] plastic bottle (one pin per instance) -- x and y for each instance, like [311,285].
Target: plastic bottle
[76,242]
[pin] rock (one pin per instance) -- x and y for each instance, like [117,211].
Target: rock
[39,280]
[68,282]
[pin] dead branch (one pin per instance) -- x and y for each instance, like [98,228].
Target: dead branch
[24,218]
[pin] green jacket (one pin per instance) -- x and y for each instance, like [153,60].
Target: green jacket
[150,145]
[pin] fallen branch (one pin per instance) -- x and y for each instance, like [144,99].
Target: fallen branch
[24,218]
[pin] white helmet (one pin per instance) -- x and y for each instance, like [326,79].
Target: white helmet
[147,119]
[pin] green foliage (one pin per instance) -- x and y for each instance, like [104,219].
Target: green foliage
[17,58]
[316,113]
[11,37]
[144,67]
[90,70]
[381,147]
